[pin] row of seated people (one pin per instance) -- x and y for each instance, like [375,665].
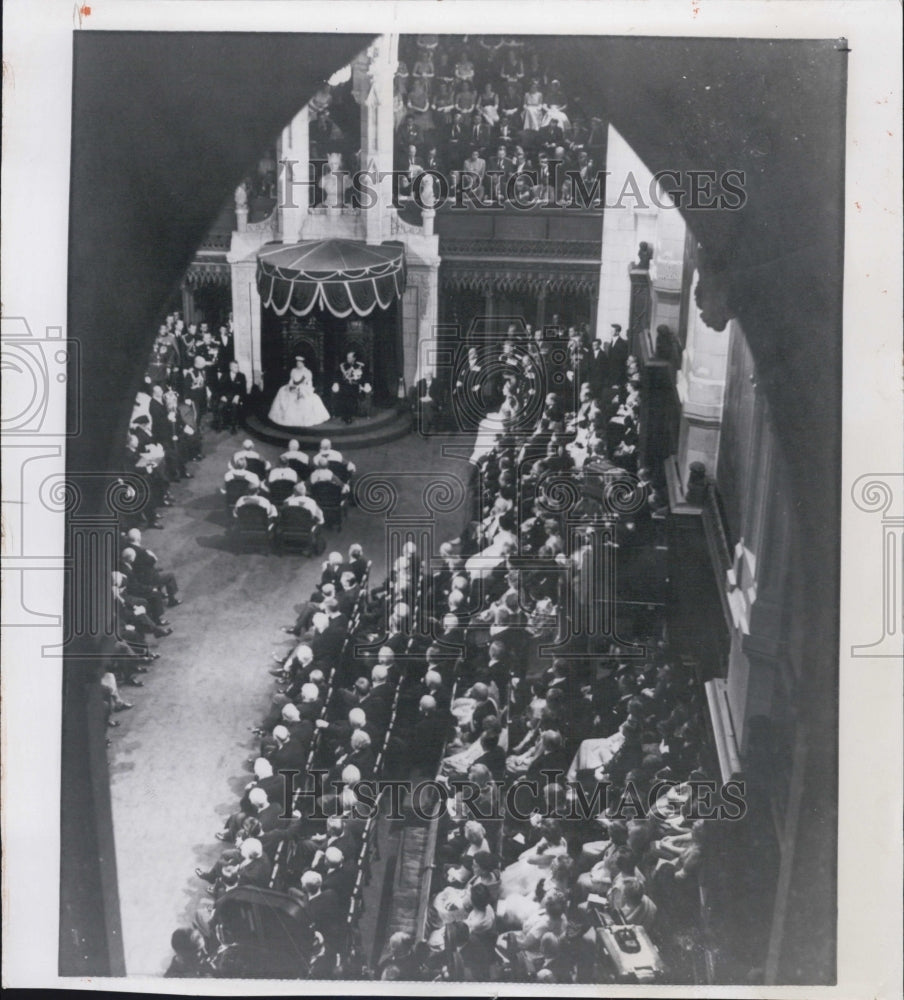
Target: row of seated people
[337,709]
[457,112]
[299,490]
[143,591]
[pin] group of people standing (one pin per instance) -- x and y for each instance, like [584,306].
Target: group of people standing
[200,365]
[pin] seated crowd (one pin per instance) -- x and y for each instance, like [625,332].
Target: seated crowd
[522,896]
[344,707]
[438,673]
[491,107]
[318,484]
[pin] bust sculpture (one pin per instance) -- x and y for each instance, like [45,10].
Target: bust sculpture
[332,184]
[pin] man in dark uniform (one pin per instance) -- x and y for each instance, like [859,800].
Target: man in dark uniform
[348,387]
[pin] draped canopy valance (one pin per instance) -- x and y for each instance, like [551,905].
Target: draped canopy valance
[341,276]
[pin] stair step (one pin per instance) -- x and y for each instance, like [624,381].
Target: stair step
[366,432]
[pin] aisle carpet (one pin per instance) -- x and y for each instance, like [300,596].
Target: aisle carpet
[178,759]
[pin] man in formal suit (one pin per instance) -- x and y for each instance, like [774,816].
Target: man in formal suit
[148,594]
[429,398]
[253,869]
[360,753]
[338,874]
[337,620]
[347,595]
[336,736]
[231,393]
[326,642]
[499,169]
[427,738]
[273,785]
[322,907]
[412,166]
[147,569]
[377,703]
[287,753]
[260,807]
[617,354]
[597,368]
[493,755]
[480,133]
[457,140]
[357,562]
[160,431]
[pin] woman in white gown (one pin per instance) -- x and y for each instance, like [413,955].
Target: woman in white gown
[297,404]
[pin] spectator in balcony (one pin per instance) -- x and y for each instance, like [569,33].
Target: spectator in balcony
[411,168]
[402,77]
[555,107]
[512,70]
[489,104]
[533,107]
[410,134]
[465,103]
[457,141]
[481,133]
[424,69]
[398,104]
[476,166]
[419,107]
[464,68]
[443,104]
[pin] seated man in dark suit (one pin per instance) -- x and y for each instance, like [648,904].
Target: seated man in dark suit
[253,868]
[321,906]
[426,739]
[377,703]
[274,788]
[147,569]
[429,396]
[338,874]
[360,753]
[347,594]
[229,399]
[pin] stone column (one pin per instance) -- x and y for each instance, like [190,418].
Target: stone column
[701,388]
[293,194]
[420,306]
[246,316]
[373,81]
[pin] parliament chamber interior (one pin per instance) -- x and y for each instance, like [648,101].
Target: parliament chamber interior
[466,625]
